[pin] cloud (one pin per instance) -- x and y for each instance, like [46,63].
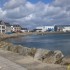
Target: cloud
[31,15]
[62,3]
[2,13]
[11,4]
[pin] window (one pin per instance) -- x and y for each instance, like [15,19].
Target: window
[3,27]
[3,30]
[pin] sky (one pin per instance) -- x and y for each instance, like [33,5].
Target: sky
[33,13]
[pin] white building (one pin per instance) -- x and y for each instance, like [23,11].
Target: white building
[62,28]
[45,28]
[66,29]
[5,27]
[15,28]
[2,29]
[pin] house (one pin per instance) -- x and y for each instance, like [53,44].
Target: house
[15,28]
[2,27]
[5,27]
[24,30]
[62,28]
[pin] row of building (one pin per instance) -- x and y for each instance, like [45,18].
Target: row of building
[58,28]
[8,28]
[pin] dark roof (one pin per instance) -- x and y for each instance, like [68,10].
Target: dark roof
[16,25]
[4,23]
[24,29]
[62,25]
[37,29]
[7,24]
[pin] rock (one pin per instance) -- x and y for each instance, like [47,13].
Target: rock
[55,58]
[22,50]
[66,61]
[8,46]
[25,50]
[41,54]
[58,56]
[32,52]
[47,56]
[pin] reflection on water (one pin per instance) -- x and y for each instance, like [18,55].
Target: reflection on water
[52,42]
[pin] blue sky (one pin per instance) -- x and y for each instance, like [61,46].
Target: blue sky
[2,2]
[33,13]
[32,1]
[45,1]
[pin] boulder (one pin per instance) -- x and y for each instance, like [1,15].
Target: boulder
[32,52]
[19,49]
[56,58]
[8,46]
[66,61]
[47,56]
[41,54]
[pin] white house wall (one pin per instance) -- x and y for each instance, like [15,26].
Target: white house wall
[2,30]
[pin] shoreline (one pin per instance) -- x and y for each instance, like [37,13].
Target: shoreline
[38,54]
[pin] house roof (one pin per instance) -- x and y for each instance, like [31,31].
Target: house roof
[7,24]
[24,29]
[62,25]
[16,25]
[4,23]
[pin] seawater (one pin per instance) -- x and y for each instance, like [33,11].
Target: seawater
[48,41]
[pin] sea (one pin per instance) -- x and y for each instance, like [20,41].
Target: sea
[47,41]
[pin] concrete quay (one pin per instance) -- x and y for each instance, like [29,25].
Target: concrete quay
[6,64]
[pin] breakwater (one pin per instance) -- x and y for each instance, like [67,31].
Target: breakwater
[43,55]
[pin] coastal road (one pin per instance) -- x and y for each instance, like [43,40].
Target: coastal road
[6,64]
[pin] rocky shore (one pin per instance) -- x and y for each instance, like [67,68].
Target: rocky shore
[42,56]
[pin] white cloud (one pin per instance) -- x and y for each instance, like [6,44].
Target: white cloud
[2,13]
[30,15]
[14,3]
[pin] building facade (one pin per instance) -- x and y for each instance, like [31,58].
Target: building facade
[15,28]
[2,27]
[62,28]
[45,28]
[8,27]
